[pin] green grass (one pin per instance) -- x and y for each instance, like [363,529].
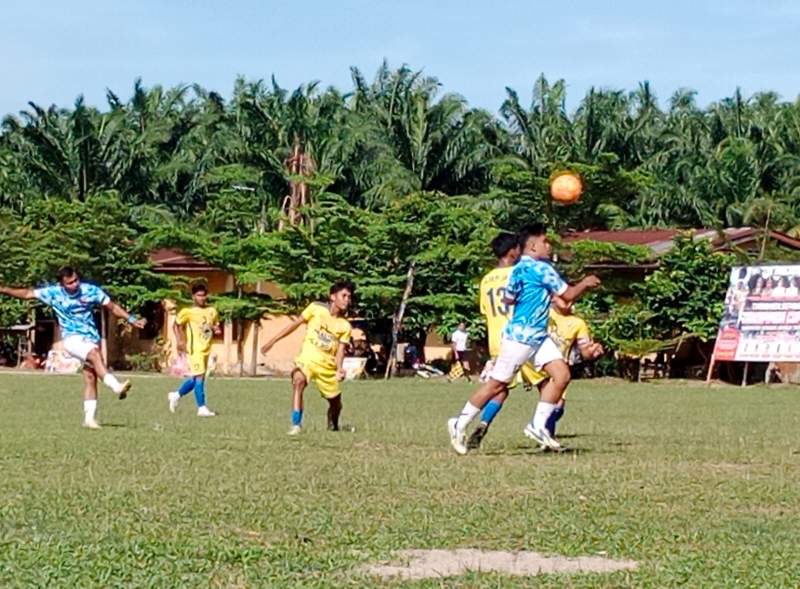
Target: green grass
[701,486]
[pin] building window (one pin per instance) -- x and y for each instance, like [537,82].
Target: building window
[154,314]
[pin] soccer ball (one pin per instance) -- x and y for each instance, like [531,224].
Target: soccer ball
[566,188]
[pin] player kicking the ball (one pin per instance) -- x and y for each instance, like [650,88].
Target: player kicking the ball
[202,323]
[532,283]
[322,355]
[74,303]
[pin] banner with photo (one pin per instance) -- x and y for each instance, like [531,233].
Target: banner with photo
[761,322]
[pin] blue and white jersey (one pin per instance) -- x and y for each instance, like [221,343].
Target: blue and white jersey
[75,312]
[531,284]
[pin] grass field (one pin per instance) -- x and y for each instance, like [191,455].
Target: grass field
[700,486]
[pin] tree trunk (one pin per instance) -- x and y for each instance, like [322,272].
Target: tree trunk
[397,320]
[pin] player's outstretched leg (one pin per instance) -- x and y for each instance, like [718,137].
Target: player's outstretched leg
[551,394]
[90,398]
[200,397]
[96,361]
[334,410]
[457,426]
[490,411]
[555,416]
[187,386]
[299,384]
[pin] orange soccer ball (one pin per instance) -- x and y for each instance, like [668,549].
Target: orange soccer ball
[566,188]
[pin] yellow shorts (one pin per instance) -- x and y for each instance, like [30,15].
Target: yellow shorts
[198,363]
[322,376]
[528,374]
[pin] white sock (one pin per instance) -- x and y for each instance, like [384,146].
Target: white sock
[467,414]
[542,414]
[89,409]
[111,382]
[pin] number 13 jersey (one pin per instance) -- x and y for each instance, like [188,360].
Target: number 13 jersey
[497,313]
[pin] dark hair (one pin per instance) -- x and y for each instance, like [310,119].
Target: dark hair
[504,243]
[532,230]
[199,287]
[65,272]
[340,285]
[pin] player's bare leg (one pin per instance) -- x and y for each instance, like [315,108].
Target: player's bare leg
[90,398]
[299,384]
[96,361]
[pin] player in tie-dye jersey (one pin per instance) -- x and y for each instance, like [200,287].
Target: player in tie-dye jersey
[74,303]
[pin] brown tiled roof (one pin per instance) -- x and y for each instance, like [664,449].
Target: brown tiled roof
[661,240]
[175,260]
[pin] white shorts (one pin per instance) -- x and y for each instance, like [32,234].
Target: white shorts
[514,354]
[78,347]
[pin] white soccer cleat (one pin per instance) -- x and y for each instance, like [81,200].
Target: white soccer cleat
[91,424]
[295,430]
[205,412]
[123,390]
[457,439]
[542,437]
[173,398]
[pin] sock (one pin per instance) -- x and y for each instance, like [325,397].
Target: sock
[557,413]
[297,417]
[89,409]
[542,414]
[467,414]
[186,386]
[200,392]
[111,382]
[490,411]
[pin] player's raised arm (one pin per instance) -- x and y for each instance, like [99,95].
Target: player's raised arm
[18,293]
[283,333]
[117,311]
[575,291]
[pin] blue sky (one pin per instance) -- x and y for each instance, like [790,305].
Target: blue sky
[51,51]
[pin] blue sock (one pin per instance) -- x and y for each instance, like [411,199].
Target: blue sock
[490,411]
[297,417]
[557,414]
[200,391]
[186,386]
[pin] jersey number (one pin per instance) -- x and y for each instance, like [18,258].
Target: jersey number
[497,298]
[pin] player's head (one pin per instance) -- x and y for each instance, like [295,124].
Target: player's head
[506,245]
[462,326]
[341,294]
[534,242]
[69,279]
[200,294]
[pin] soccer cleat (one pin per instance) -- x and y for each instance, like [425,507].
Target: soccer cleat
[173,398]
[91,424]
[205,412]
[476,438]
[295,430]
[123,390]
[457,438]
[542,437]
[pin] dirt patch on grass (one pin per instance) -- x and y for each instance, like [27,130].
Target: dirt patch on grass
[423,564]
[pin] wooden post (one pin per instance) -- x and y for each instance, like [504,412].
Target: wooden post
[254,347]
[104,336]
[227,341]
[744,374]
[397,320]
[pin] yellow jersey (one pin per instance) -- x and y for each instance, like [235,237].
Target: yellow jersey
[496,312]
[565,331]
[200,323]
[324,334]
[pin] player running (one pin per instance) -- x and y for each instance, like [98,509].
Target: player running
[532,283]
[566,330]
[322,355]
[201,325]
[74,303]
